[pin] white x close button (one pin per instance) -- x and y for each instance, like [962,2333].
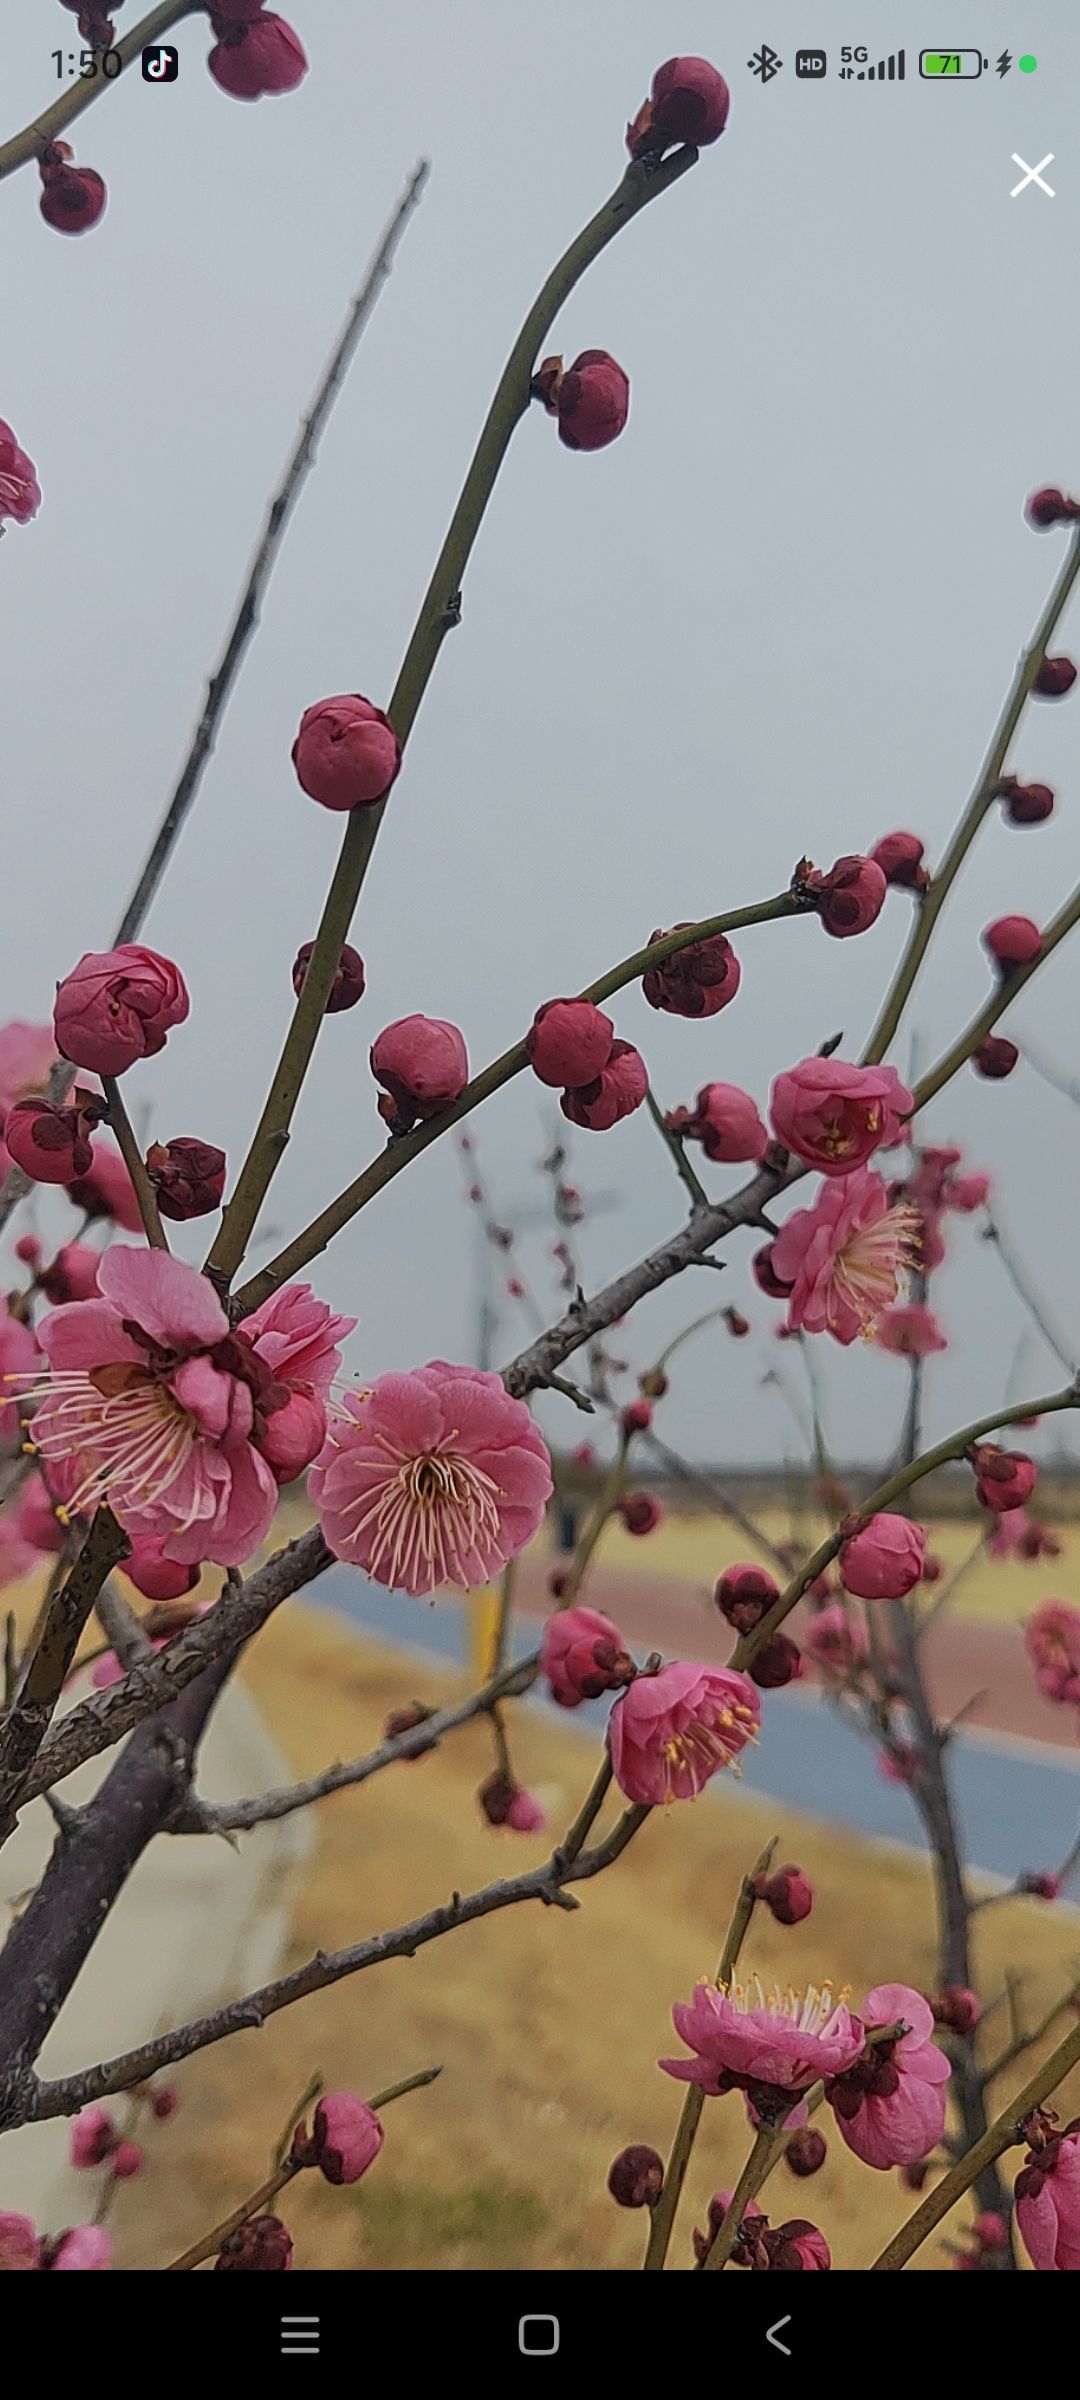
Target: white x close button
[1032,175]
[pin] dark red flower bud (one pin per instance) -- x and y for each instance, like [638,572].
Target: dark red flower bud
[1056,676]
[496,1797]
[1012,942]
[636,2177]
[689,102]
[765,1275]
[640,1513]
[348,984]
[405,1720]
[569,1042]
[72,198]
[188,1176]
[849,897]
[617,1091]
[995,1057]
[900,857]
[779,1661]
[805,2151]
[164,2101]
[956,2007]
[789,1894]
[636,1417]
[932,1568]
[698,981]
[590,398]
[260,2243]
[1025,803]
[1004,1479]
[52,1145]
[423,1066]
[1040,1887]
[346,753]
[653,1384]
[738,1325]
[1050,507]
[744,1594]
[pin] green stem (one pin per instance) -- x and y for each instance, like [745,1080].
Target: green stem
[399,1154]
[663,2215]
[132,1156]
[588,1812]
[439,611]
[759,2164]
[981,800]
[1002,2135]
[1000,999]
[36,137]
[912,1472]
[699,1197]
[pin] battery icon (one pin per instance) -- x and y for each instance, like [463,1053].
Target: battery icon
[951,65]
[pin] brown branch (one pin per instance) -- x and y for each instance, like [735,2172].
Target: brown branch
[545,1883]
[136,1165]
[26,1724]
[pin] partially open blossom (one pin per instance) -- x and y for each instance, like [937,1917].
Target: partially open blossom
[777,1662]
[1052,1637]
[72,198]
[188,1176]
[569,1043]
[635,2178]
[1048,2202]
[726,1122]
[52,1145]
[71,1275]
[80,2249]
[583,1654]
[617,1091]
[346,2137]
[423,1066]
[957,2007]
[1004,1479]
[788,1894]
[348,984]
[20,2246]
[106,1190]
[671,1732]
[117,1006]
[346,753]
[744,1594]
[995,1057]
[698,981]
[688,102]
[20,491]
[432,1477]
[1056,676]
[1025,803]
[805,2151]
[255,55]
[836,1639]
[1012,942]
[910,1332]
[846,1257]
[747,2036]
[849,896]
[1048,506]
[884,1560]
[834,1116]
[261,2244]
[640,1512]
[504,1801]
[590,398]
[162,1409]
[890,2104]
[900,857]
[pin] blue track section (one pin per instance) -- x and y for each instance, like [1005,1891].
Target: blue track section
[1019,1805]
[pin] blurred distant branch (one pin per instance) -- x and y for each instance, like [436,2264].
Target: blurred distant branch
[1057,1077]
[1025,1292]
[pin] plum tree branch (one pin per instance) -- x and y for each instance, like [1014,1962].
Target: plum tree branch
[35,138]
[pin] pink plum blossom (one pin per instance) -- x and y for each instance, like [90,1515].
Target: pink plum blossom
[890,2105]
[117,1006]
[582,1654]
[745,2035]
[166,1411]
[671,1732]
[20,491]
[884,1560]
[727,1123]
[255,55]
[834,1115]
[616,1092]
[845,1257]
[27,1054]
[93,2137]
[431,1477]
[835,1638]
[1048,2202]
[345,2139]
[1052,1637]
[82,2248]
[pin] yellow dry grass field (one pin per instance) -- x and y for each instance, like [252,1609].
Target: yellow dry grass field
[696,1548]
[547,2026]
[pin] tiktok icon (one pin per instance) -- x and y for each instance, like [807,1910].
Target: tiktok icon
[160,64]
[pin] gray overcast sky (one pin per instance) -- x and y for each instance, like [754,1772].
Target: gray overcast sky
[778,616]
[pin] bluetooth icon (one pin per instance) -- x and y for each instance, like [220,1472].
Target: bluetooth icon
[765,63]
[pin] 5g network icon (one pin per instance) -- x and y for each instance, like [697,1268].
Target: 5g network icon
[160,63]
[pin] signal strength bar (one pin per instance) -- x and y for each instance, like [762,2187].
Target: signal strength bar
[887,70]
